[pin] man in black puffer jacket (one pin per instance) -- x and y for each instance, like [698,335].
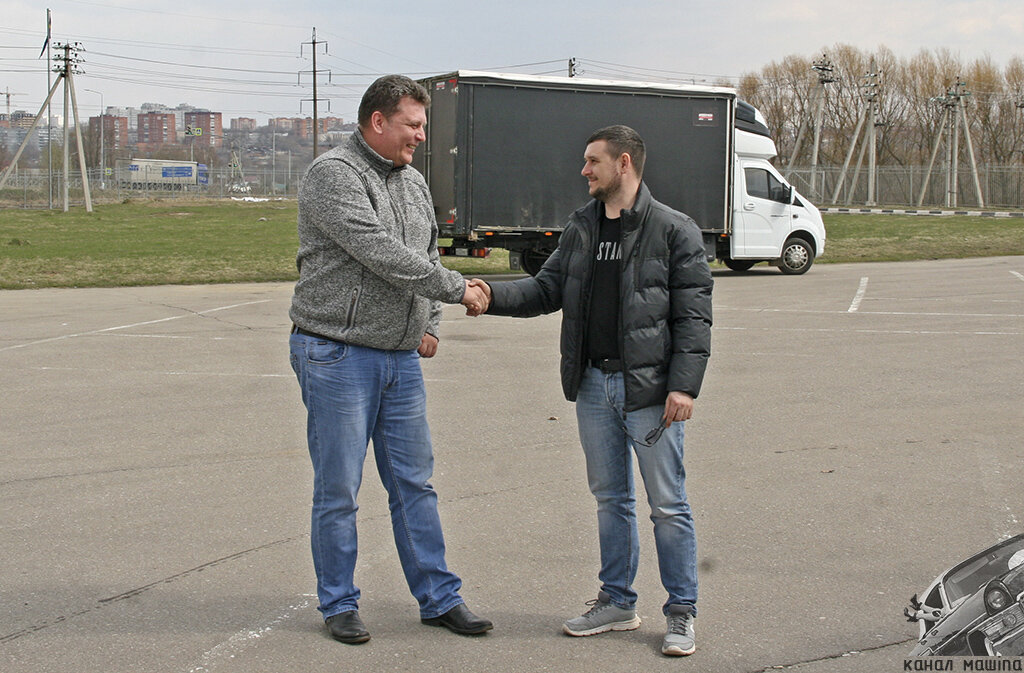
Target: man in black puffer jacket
[632,280]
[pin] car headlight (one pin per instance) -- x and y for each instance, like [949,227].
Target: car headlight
[996,599]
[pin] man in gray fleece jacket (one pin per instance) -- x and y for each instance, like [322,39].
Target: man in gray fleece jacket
[366,307]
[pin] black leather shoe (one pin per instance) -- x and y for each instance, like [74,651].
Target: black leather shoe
[348,628]
[460,620]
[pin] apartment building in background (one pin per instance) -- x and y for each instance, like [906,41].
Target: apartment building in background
[155,129]
[212,130]
[114,131]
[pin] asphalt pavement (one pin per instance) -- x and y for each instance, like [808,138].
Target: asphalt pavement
[859,431]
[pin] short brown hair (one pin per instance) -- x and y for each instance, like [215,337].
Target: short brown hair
[386,93]
[623,140]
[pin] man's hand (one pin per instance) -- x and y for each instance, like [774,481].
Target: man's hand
[476,282]
[678,407]
[428,346]
[476,298]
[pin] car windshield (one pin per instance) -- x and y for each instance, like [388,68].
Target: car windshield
[970,576]
[1014,581]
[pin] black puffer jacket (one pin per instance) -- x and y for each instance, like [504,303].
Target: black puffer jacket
[665,317]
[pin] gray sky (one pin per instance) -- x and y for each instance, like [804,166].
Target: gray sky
[243,58]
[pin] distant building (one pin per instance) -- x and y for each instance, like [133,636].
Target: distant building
[156,128]
[210,123]
[303,128]
[21,119]
[114,130]
[131,113]
[243,124]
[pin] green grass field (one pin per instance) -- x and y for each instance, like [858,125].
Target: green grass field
[219,241]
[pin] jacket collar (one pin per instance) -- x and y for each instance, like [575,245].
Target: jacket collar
[376,161]
[631,218]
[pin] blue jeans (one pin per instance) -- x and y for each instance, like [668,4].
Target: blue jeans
[352,395]
[605,433]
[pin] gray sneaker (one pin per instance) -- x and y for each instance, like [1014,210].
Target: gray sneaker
[679,639]
[603,616]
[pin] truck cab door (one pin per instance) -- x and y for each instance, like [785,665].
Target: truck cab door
[764,213]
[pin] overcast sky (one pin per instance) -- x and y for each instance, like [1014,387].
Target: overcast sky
[244,58]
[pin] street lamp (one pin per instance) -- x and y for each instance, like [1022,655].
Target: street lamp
[273,152]
[103,171]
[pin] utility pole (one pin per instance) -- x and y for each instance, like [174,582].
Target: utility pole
[103,115]
[49,114]
[316,124]
[1019,102]
[953,114]
[824,68]
[869,113]
[573,69]
[272,122]
[65,74]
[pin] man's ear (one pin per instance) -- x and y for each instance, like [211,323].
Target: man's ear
[377,120]
[625,162]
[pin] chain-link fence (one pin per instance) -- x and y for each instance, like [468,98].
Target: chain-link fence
[36,188]
[1002,187]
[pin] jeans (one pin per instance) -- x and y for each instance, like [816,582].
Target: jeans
[352,395]
[605,433]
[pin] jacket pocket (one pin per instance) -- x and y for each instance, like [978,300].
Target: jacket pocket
[353,304]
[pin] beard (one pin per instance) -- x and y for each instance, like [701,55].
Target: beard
[608,191]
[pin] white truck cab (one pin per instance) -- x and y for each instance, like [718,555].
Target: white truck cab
[770,220]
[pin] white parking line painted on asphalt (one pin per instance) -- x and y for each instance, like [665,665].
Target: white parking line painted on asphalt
[917,313]
[864,331]
[137,324]
[242,640]
[150,372]
[169,336]
[1018,274]
[857,298]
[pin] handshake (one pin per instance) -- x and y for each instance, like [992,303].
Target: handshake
[477,297]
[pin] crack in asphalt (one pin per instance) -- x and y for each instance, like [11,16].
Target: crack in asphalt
[200,314]
[830,657]
[132,593]
[143,468]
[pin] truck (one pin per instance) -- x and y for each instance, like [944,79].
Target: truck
[160,174]
[503,156]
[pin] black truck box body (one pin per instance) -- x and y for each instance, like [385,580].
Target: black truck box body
[504,153]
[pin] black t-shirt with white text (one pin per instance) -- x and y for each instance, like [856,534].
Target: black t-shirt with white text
[603,323]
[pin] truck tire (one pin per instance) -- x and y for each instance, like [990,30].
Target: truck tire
[797,257]
[533,260]
[738,264]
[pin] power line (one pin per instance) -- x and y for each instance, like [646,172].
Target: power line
[178,64]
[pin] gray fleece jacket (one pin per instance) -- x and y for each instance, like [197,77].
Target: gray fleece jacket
[369,272]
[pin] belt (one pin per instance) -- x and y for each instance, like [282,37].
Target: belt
[606,365]
[298,330]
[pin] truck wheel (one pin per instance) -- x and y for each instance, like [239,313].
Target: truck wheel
[533,260]
[797,257]
[739,264]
